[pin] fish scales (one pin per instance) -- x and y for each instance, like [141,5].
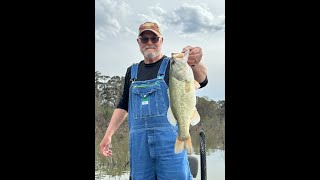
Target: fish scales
[182,110]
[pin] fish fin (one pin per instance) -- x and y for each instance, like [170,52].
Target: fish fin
[195,118]
[171,117]
[196,85]
[188,145]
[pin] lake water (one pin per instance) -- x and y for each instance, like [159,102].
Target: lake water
[117,167]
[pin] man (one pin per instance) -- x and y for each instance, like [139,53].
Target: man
[145,100]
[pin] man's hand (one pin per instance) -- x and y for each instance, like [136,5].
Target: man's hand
[105,145]
[195,54]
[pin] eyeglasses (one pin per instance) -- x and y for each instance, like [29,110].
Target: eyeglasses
[145,40]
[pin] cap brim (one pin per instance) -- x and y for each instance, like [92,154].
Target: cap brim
[157,33]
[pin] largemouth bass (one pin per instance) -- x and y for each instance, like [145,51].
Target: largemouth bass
[182,97]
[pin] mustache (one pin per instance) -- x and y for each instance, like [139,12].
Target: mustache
[150,47]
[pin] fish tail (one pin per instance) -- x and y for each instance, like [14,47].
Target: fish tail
[178,147]
[188,146]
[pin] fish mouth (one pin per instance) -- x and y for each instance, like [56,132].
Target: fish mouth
[180,56]
[178,64]
[177,56]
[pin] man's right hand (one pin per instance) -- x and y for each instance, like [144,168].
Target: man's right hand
[105,145]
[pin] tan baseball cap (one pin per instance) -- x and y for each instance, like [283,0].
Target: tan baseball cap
[150,26]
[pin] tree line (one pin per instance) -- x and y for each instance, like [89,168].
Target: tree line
[108,91]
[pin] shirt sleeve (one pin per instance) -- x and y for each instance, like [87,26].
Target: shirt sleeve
[123,103]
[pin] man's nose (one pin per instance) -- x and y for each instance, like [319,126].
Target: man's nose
[149,42]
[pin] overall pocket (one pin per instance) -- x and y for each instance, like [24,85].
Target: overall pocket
[148,101]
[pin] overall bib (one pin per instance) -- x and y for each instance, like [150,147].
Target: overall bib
[152,137]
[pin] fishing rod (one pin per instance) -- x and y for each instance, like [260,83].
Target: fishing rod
[203,163]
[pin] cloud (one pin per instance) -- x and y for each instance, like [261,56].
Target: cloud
[155,14]
[186,19]
[114,17]
[109,17]
[196,19]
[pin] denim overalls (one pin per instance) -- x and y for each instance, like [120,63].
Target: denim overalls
[152,137]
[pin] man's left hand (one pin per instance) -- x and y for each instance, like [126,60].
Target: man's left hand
[195,54]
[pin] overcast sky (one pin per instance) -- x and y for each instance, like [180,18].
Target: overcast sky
[189,22]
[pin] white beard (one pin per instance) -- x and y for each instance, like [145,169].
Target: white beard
[150,55]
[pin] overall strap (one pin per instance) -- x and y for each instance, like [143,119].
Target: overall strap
[134,71]
[163,67]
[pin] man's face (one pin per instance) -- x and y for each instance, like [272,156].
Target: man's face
[150,44]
